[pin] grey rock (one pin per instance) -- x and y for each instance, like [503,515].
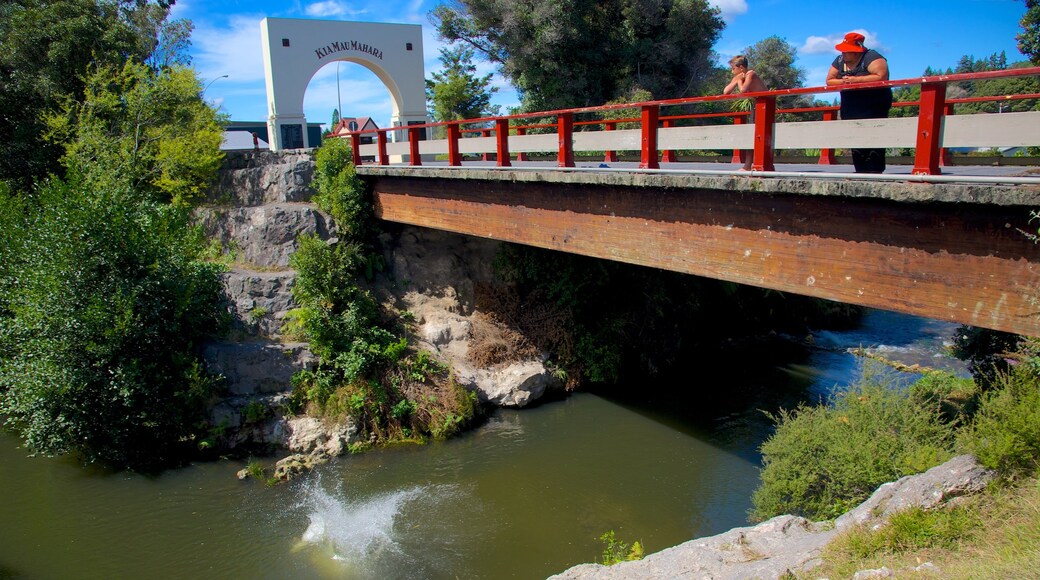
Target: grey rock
[251,178]
[962,475]
[881,572]
[790,544]
[309,435]
[258,368]
[259,301]
[768,550]
[264,236]
[515,385]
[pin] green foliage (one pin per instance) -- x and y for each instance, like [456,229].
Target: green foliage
[341,193]
[1006,432]
[821,461]
[46,49]
[99,341]
[140,130]
[615,551]
[910,530]
[572,53]
[1029,38]
[365,371]
[456,92]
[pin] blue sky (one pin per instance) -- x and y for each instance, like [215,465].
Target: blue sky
[912,34]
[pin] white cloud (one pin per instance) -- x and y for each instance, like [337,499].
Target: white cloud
[730,8]
[330,8]
[234,51]
[818,45]
[826,44]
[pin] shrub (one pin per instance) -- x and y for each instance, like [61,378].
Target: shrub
[615,551]
[365,371]
[821,461]
[1006,432]
[99,342]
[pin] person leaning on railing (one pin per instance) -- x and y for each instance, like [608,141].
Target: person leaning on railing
[858,64]
[744,81]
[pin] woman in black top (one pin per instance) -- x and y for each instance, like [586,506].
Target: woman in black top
[857,64]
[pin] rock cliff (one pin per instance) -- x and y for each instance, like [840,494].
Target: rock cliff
[256,211]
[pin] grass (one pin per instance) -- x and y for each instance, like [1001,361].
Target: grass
[996,535]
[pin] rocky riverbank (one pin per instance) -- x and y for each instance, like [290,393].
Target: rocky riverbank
[256,211]
[787,545]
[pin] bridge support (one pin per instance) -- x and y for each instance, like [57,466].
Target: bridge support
[943,251]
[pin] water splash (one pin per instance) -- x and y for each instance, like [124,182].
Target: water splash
[355,530]
[407,532]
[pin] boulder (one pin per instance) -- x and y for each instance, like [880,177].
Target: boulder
[960,476]
[264,236]
[254,368]
[312,436]
[259,301]
[251,178]
[790,545]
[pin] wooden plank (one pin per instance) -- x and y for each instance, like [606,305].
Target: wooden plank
[960,262]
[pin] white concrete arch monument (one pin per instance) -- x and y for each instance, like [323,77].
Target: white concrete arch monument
[295,49]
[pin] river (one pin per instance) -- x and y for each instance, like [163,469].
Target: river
[525,495]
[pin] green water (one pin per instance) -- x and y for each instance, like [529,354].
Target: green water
[525,495]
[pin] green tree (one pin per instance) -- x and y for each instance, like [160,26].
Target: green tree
[1029,38]
[149,131]
[456,92]
[773,59]
[46,47]
[99,334]
[570,53]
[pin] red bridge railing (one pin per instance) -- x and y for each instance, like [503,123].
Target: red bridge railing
[933,105]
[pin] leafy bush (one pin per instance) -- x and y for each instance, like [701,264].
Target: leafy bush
[365,371]
[99,343]
[142,131]
[615,551]
[1006,432]
[821,461]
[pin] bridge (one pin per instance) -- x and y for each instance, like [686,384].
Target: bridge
[933,239]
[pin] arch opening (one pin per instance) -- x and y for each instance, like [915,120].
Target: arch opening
[295,50]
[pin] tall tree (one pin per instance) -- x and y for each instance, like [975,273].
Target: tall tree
[1029,38]
[46,47]
[142,130]
[456,92]
[568,53]
[773,59]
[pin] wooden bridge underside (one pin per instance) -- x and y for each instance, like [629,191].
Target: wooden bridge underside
[942,251]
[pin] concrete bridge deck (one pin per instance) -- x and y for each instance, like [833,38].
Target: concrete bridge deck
[946,250]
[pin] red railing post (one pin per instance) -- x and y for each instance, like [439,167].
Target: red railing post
[945,159]
[502,141]
[381,148]
[355,146]
[827,155]
[929,128]
[765,123]
[413,146]
[454,159]
[667,156]
[610,156]
[485,133]
[565,131]
[650,115]
[738,120]
[521,156]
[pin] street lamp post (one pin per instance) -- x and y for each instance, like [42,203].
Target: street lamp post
[210,83]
